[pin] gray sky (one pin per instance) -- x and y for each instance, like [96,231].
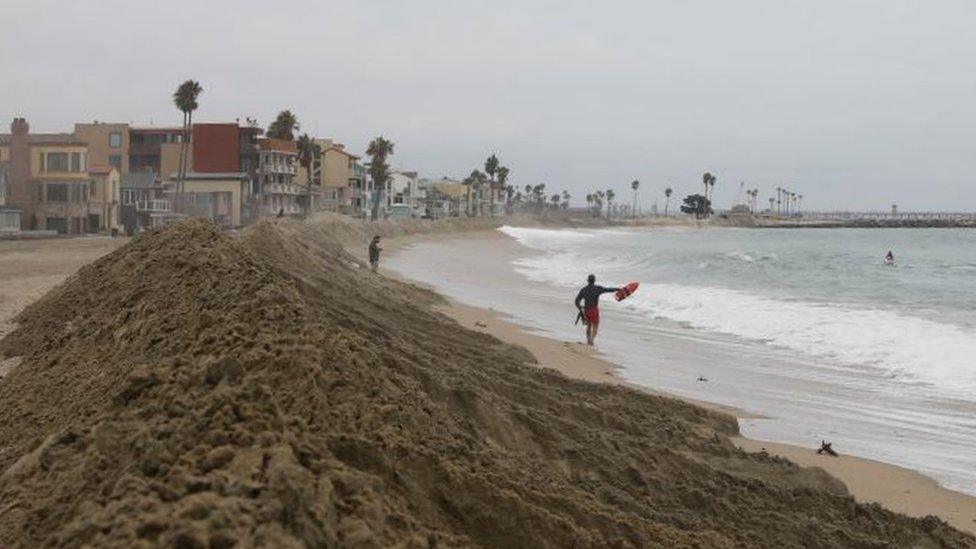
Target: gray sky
[852,103]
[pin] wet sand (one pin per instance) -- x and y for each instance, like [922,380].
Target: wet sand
[896,488]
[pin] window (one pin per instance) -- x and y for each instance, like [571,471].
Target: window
[94,187]
[77,166]
[56,162]
[59,224]
[115,140]
[57,192]
[115,160]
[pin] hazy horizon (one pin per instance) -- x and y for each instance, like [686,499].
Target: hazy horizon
[854,105]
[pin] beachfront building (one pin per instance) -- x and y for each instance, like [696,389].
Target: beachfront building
[143,202]
[108,144]
[104,199]
[401,194]
[219,197]
[154,149]
[47,179]
[445,198]
[9,216]
[277,169]
[343,179]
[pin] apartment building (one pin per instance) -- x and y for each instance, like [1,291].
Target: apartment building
[277,171]
[154,149]
[47,179]
[108,144]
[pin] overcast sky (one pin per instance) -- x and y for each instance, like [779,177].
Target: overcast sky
[852,103]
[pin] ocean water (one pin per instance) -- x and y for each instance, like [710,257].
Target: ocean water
[807,328]
[824,293]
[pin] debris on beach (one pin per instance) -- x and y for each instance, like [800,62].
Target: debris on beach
[193,389]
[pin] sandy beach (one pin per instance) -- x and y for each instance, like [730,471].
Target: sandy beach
[266,389]
[897,488]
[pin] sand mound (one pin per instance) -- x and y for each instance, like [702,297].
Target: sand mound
[197,390]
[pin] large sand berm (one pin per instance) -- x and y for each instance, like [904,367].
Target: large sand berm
[193,389]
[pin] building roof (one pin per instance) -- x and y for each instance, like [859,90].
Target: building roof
[46,139]
[101,169]
[341,149]
[282,145]
[138,180]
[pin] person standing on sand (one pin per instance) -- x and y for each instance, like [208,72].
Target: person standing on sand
[588,303]
[374,253]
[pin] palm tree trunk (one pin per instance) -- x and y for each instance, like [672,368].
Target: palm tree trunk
[179,167]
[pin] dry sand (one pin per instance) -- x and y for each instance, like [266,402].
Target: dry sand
[896,488]
[29,268]
[196,390]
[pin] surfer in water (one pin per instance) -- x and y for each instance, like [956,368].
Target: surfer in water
[588,303]
[889,258]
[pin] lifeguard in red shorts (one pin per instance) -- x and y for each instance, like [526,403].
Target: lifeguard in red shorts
[588,303]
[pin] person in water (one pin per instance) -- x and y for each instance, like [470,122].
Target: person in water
[374,253]
[890,258]
[588,303]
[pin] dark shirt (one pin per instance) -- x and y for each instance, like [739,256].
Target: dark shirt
[590,295]
[374,252]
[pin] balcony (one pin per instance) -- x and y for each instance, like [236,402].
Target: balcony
[154,206]
[282,188]
[279,168]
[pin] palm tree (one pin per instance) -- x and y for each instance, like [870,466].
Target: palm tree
[598,202]
[502,175]
[379,149]
[799,204]
[539,193]
[589,202]
[566,197]
[491,168]
[284,126]
[308,151]
[706,179]
[635,184]
[185,99]
[555,201]
[667,200]
[779,200]
[509,193]
[771,200]
[711,182]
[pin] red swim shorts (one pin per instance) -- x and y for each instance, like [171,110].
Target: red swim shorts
[592,315]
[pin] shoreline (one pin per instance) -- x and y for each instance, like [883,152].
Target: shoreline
[896,488]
